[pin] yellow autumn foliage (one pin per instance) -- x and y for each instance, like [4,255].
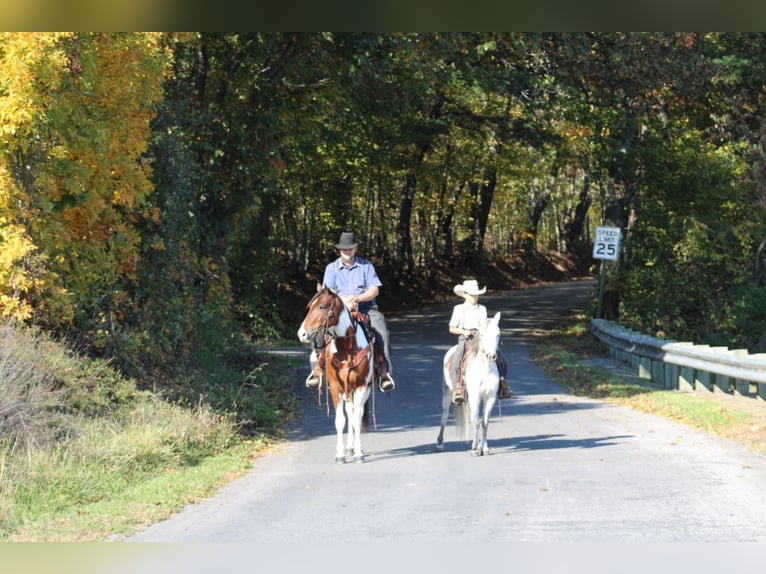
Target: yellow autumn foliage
[75,113]
[14,247]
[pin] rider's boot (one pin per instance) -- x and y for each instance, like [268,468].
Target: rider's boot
[457,396]
[314,380]
[503,392]
[386,381]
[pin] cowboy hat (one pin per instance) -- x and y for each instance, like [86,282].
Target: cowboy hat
[347,240]
[469,287]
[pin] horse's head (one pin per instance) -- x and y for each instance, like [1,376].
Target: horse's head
[489,336]
[324,311]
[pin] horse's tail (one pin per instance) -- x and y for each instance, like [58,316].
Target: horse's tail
[462,417]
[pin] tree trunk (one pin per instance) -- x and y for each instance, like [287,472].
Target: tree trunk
[404,260]
[572,227]
[539,199]
[482,207]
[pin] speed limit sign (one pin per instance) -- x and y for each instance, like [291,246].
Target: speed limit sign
[607,243]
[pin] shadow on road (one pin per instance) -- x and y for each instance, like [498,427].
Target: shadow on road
[508,445]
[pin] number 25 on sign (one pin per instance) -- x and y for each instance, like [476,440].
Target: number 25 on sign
[607,244]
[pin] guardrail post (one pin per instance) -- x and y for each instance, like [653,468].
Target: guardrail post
[670,380]
[658,371]
[644,368]
[761,392]
[702,381]
[686,379]
[741,387]
[722,384]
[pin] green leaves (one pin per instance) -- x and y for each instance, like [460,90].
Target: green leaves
[155,186]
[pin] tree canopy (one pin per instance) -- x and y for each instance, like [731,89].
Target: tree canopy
[159,191]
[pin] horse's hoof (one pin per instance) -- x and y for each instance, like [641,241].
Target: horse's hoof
[340,460]
[439,448]
[359,459]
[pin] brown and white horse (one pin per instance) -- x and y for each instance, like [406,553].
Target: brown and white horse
[481,380]
[349,366]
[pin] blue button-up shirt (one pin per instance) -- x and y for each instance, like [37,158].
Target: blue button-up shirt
[353,280]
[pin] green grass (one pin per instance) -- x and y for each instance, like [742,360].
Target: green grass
[128,505]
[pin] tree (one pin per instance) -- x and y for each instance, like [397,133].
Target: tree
[77,111]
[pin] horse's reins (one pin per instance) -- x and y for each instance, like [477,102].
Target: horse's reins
[327,339]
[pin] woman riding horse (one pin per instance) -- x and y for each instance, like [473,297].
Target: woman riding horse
[466,319]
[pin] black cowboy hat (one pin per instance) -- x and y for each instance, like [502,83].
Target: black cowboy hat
[347,240]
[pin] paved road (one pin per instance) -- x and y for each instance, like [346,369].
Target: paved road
[561,469]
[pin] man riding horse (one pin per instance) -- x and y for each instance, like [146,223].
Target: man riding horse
[355,280]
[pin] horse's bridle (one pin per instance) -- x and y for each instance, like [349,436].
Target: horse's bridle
[324,328]
[489,356]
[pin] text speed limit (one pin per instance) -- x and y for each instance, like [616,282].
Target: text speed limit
[607,244]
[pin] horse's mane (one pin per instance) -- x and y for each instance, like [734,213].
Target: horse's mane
[472,346]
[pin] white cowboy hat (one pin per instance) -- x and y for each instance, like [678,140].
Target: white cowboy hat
[469,287]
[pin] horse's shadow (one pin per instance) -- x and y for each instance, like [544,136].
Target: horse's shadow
[501,445]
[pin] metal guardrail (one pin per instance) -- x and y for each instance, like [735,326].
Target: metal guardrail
[685,366]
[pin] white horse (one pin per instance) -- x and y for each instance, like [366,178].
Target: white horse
[480,383]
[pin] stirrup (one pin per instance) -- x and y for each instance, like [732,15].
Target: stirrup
[458,398]
[386,383]
[314,381]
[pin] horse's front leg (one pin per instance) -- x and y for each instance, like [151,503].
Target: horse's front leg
[355,422]
[489,404]
[484,449]
[350,435]
[490,398]
[474,402]
[340,425]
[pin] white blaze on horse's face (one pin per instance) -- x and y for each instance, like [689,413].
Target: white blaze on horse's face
[326,318]
[303,336]
[490,337]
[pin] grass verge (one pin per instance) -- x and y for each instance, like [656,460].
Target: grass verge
[85,455]
[560,354]
[139,503]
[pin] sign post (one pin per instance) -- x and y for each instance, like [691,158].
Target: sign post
[607,248]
